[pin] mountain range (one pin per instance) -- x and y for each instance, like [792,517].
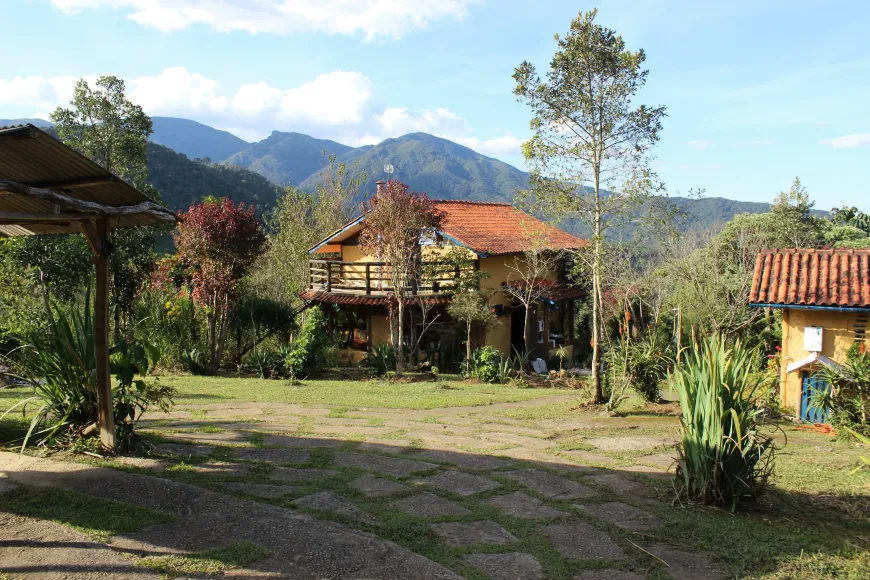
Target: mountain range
[189,160]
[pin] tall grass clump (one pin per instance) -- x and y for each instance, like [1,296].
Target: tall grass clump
[723,456]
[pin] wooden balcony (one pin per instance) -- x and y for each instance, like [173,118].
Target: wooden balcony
[373,278]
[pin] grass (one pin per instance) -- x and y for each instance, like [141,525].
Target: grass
[345,395]
[98,518]
[214,561]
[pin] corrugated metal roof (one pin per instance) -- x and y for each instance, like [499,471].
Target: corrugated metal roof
[30,156]
[801,277]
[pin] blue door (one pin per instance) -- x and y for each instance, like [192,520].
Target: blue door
[809,385]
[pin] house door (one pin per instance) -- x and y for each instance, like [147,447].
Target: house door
[809,385]
[518,335]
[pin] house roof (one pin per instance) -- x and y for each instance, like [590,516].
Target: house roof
[485,228]
[801,277]
[32,158]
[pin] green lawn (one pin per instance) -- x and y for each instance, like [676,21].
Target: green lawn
[349,393]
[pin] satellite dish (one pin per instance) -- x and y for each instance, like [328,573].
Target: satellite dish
[388,169]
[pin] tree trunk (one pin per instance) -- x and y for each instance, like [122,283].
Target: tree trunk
[596,297]
[400,354]
[212,339]
[223,333]
[468,351]
[527,331]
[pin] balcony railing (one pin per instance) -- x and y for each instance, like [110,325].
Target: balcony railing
[373,278]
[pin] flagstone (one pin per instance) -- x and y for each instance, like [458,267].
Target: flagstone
[264,490]
[510,566]
[623,515]
[429,505]
[549,484]
[581,541]
[372,486]
[459,534]
[608,574]
[637,443]
[684,565]
[332,502]
[216,438]
[459,482]
[520,505]
[471,461]
[300,442]
[182,450]
[395,466]
[296,474]
[384,445]
[271,454]
[223,468]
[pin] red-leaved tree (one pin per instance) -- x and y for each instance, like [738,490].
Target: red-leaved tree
[395,222]
[218,242]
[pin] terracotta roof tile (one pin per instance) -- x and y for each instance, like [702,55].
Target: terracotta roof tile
[839,277]
[500,228]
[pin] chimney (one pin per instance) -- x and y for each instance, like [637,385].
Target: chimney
[379,184]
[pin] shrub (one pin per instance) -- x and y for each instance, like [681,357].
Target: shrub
[62,368]
[848,400]
[722,455]
[380,361]
[313,349]
[642,365]
[488,365]
[266,363]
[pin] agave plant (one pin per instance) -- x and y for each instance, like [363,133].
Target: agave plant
[723,456]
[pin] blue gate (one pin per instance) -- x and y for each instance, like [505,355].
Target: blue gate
[809,385]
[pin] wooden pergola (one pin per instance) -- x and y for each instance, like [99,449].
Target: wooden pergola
[47,187]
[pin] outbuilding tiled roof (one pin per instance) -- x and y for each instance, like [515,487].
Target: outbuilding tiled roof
[500,228]
[839,277]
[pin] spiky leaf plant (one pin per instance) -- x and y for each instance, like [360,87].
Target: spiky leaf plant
[723,455]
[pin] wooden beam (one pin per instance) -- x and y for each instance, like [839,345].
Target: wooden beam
[97,235]
[19,217]
[73,183]
[92,207]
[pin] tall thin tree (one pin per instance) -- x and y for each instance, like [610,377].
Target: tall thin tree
[588,138]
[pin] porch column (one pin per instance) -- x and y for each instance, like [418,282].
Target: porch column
[97,235]
[783,372]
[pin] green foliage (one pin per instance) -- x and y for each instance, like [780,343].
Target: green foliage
[265,362]
[313,349]
[723,456]
[61,265]
[848,399]
[380,361]
[642,365]
[62,367]
[488,365]
[196,362]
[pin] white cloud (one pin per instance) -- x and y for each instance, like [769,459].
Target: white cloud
[371,18]
[341,105]
[397,121]
[500,146]
[848,141]
[700,144]
[763,142]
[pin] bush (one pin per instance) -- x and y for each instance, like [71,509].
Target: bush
[488,365]
[847,402]
[62,367]
[313,349]
[380,361]
[266,363]
[722,455]
[643,365]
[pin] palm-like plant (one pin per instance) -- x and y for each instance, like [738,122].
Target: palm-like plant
[723,456]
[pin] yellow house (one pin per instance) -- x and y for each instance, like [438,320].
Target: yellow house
[495,237]
[825,300]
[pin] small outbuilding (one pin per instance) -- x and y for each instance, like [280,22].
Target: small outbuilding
[47,187]
[825,300]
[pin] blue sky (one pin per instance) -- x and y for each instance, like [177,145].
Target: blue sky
[757,92]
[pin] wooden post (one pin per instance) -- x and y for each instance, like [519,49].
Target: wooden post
[329,276]
[98,238]
[368,278]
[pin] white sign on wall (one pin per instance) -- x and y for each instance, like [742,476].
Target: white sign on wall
[813,338]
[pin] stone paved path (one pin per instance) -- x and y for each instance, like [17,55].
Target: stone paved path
[384,493]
